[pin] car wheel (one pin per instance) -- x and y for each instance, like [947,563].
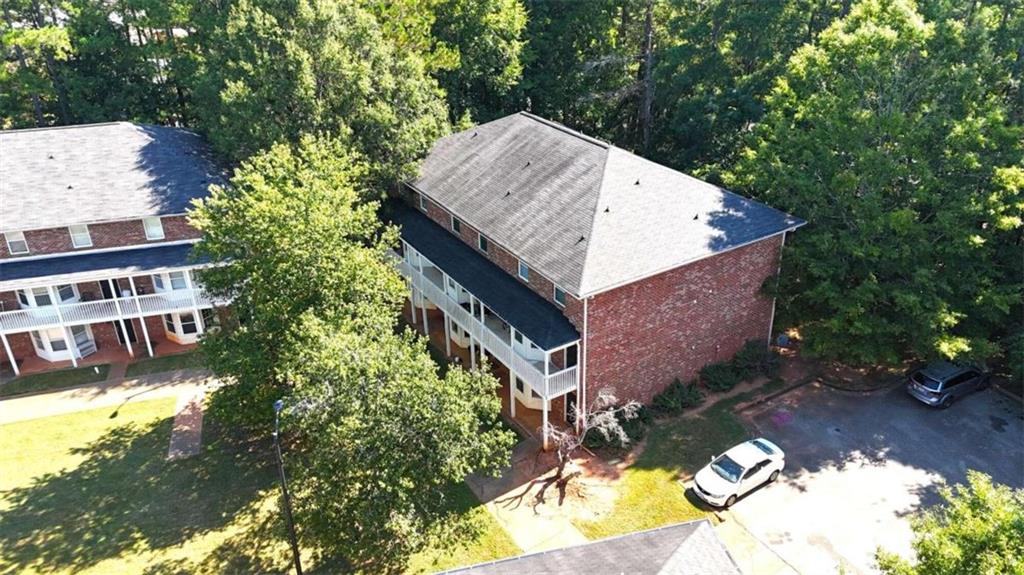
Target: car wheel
[946,402]
[730,501]
[773,476]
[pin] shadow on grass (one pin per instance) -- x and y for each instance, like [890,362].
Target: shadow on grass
[125,494]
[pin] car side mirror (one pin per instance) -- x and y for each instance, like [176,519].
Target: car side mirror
[712,458]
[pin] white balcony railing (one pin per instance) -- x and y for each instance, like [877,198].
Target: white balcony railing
[103,310]
[554,385]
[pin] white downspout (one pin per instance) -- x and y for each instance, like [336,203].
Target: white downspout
[581,396]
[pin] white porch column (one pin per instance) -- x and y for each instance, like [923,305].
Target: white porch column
[512,391]
[412,301]
[142,320]
[447,335]
[544,429]
[10,354]
[120,315]
[472,352]
[426,326]
[68,341]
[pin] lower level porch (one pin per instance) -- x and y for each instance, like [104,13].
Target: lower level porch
[527,417]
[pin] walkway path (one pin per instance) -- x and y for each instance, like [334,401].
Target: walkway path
[187,433]
[105,394]
[509,499]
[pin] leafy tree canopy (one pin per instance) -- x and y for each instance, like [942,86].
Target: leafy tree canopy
[978,530]
[892,139]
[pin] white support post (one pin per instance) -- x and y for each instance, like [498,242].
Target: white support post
[412,301]
[142,320]
[10,354]
[426,326]
[63,329]
[120,316]
[472,352]
[512,391]
[545,425]
[447,335]
[547,371]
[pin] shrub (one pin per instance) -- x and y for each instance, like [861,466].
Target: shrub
[635,428]
[677,397]
[721,376]
[756,358]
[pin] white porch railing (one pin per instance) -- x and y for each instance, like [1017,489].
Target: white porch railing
[103,310]
[554,385]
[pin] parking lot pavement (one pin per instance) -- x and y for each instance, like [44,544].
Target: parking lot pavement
[859,465]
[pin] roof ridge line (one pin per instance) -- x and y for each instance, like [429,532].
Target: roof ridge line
[566,129]
[593,220]
[68,126]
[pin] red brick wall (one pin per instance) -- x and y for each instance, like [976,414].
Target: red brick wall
[104,235]
[21,347]
[644,334]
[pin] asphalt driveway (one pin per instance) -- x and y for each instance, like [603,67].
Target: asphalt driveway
[859,465]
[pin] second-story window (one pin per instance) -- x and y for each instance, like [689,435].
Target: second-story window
[67,292]
[482,242]
[177,280]
[456,225]
[154,228]
[560,296]
[524,271]
[16,243]
[80,236]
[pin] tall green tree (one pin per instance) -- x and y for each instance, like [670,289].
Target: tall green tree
[290,235]
[275,71]
[978,530]
[386,441]
[33,45]
[887,136]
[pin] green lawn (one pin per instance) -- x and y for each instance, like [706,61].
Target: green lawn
[51,380]
[92,493]
[651,495]
[166,363]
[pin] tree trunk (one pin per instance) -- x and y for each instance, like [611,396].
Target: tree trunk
[647,98]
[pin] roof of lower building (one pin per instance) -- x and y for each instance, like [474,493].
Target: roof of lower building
[584,213]
[54,177]
[532,315]
[77,267]
[690,548]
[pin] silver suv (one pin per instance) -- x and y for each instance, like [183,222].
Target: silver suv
[939,384]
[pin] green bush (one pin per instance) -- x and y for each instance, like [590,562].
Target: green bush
[677,397]
[635,428]
[721,376]
[756,358]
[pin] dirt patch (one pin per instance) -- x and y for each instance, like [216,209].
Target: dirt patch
[868,378]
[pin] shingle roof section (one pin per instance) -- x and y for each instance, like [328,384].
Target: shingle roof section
[586,214]
[690,548]
[55,177]
[75,266]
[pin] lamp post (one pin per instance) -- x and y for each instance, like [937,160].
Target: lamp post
[278,406]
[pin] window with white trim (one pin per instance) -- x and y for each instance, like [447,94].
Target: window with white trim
[177,280]
[80,237]
[154,228]
[559,296]
[423,202]
[524,271]
[188,324]
[67,292]
[16,243]
[456,225]
[158,281]
[482,243]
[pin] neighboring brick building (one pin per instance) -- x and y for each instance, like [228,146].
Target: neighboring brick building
[577,266]
[94,255]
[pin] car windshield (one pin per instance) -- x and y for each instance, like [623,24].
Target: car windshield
[727,468]
[921,378]
[763,447]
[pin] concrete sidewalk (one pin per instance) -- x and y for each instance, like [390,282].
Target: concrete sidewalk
[106,394]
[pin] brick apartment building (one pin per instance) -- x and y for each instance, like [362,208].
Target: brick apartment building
[94,262]
[576,266]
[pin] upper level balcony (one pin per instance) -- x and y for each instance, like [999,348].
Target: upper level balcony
[516,326]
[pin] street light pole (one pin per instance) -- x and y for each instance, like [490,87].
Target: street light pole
[278,406]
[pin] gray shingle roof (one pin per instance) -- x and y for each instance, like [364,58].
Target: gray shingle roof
[75,267]
[690,548]
[54,177]
[537,188]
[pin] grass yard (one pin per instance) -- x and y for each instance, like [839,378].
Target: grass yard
[93,493]
[174,362]
[52,380]
[651,495]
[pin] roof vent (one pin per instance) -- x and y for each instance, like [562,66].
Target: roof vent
[637,183]
[70,186]
[473,136]
[508,193]
[50,156]
[528,164]
[581,239]
[695,216]
[607,210]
